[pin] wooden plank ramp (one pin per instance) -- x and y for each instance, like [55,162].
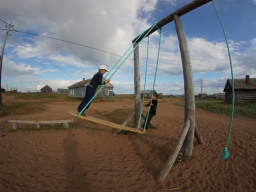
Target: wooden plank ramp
[107,123]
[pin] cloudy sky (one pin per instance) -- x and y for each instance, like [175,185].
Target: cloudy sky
[101,31]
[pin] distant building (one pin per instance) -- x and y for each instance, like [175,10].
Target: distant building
[78,90]
[148,94]
[62,91]
[46,89]
[245,90]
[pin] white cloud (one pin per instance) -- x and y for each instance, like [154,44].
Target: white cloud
[108,25]
[50,70]
[244,62]
[111,26]
[67,60]
[12,69]
[55,84]
[27,51]
[205,56]
[172,2]
[208,56]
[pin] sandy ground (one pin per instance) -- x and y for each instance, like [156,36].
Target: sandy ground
[88,158]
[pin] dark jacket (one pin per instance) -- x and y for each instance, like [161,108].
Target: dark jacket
[153,107]
[96,80]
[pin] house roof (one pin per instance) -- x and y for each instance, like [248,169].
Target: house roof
[80,83]
[46,87]
[240,84]
[86,82]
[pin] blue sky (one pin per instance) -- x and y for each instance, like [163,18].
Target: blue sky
[31,62]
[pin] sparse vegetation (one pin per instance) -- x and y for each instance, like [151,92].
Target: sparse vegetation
[21,108]
[218,106]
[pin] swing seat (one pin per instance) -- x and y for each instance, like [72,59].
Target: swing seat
[106,123]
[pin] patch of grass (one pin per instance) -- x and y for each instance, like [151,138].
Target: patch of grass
[21,108]
[183,159]
[51,96]
[37,96]
[217,106]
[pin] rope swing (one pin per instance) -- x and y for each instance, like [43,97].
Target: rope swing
[154,80]
[225,149]
[137,44]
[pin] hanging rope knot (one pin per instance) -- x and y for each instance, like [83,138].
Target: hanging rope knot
[157,26]
[226,153]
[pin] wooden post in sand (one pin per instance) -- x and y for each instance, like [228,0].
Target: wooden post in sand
[188,88]
[137,94]
[172,158]
[186,138]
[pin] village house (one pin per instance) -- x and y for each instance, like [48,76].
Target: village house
[78,90]
[245,90]
[62,91]
[148,94]
[46,89]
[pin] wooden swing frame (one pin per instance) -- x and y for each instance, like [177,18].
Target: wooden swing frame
[186,139]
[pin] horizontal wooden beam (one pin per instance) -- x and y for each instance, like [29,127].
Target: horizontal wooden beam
[106,123]
[182,11]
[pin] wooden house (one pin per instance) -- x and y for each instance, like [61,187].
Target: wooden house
[245,90]
[79,89]
[46,89]
[62,91]
[148,93]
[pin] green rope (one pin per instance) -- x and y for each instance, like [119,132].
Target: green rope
[144,85]
[118,66]
[225,149]
[154,79]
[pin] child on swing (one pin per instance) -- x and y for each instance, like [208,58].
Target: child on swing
[152,112]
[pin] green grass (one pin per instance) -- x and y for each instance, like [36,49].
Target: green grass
[218,106]
[37,96]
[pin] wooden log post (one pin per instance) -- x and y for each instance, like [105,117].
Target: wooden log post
[124,123]
[15,126]
[172,158]
[187,148]
[198,135]
[38,125]
[137,94]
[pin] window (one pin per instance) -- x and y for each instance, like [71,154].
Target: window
[106,92]
[110,92]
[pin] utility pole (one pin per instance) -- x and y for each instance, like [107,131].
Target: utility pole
[1,60]
[201,87]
